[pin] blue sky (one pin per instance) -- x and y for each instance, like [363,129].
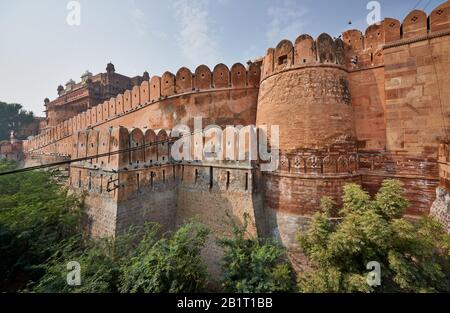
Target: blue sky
[39,50]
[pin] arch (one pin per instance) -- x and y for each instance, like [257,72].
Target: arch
[127,101]
[329,165]
[314,165]
[342,164]
[391,30]
[167,84]
[305,50]
[353,163]
[151,155]
[221,76]
[326,49]
[163,147]
[89,117]
[119,104]
[203,77]
[112,107]
[82,143]
[136,141]
[83,120]
[374,37]
[340,52]
[105,107]
[298,164]
[120,140]
[99,113]
[75,144]
[144,92]
[284,163]
[254,75]
[284,55]
[103,146]
[184,80]
[440,18]
[135,97]
[415,24]
[155,88]
[92,145]
[238,75]
[354,45]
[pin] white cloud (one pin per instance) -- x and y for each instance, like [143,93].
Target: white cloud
[141,25]
[286,21]
[195,37]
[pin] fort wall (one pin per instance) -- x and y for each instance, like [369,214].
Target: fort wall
[360,108]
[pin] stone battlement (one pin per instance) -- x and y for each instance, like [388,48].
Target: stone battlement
[157,89]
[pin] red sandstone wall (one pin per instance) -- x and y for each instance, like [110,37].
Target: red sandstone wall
[221,97]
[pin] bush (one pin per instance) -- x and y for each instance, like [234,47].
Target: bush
[169,264]
[37,217]
[413,256]
[254,265]
[138,261]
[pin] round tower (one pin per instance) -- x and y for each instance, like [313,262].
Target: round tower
[304,90]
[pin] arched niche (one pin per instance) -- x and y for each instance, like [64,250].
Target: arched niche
[145,92]
[135,97]
[238,76]
[326,49]
[184,80]
[305,50]
[284,55]
[221,76]
[415,24]
[440,18]
[155,88]
[137,144]
[127,101]
[151,155]
[203,77]
[167,84]
[392,30]
[163,146]
[253,75]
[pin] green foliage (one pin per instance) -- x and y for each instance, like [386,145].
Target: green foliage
[168,264]
[36,217]
[254,264]
[139,261]
[13,117]
[413,256]
[100,265]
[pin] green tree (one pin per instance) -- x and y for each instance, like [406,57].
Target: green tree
[13,117]
[254,265]
[138,261]
[37,215]
[170,264]
[413,255]
[100,265]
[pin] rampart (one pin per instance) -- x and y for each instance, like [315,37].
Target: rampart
[360,108]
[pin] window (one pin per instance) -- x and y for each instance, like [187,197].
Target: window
[282,60]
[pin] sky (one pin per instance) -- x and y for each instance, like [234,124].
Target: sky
[39,49]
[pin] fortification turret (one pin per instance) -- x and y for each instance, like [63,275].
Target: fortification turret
[305,91]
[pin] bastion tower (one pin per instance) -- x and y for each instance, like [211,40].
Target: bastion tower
[305,90]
